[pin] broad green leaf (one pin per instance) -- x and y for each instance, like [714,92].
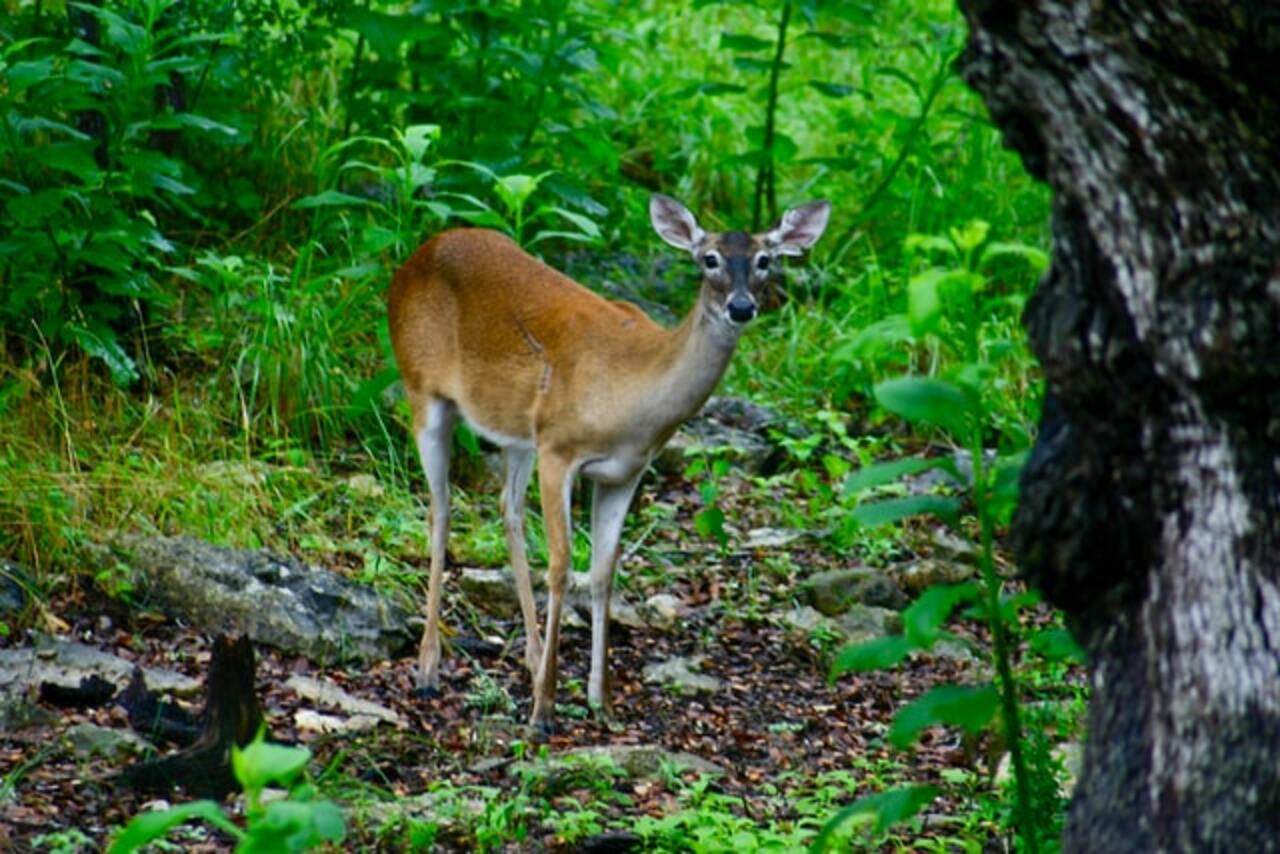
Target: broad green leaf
[743,42]
[929,401]
[148,827]
[585,225]
[1037,259]
[969,706]
[924,305]
[878,474]
[931,243]
[75,158]
[712,88]
[328,198]
[100,343]
[34,208]
[710,524]
[923,620]
[751,63]
[23,75]
[831,90]
[417,139]
[1057,645]
[901,76]
[875,337]
[260,763]
[888,807]
[876,654]
[969,236]
[891,510]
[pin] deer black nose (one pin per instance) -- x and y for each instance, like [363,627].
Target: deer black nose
[741,309]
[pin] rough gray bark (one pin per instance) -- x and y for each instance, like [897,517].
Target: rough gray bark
[1151,503]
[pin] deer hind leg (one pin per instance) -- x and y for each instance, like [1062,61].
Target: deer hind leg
[555,478]
[519,465]
[609,505]
[434,435]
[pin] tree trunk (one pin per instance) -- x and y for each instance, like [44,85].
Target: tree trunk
[1151,503]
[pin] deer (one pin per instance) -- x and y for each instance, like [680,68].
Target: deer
[552,372]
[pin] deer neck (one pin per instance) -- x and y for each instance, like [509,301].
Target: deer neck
[695,358]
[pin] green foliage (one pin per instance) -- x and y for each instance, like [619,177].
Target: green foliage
[299,822]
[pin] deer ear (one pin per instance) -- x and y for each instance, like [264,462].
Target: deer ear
[799,228]
[674,223]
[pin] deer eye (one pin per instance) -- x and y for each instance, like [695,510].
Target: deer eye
[711,262]
[762,263]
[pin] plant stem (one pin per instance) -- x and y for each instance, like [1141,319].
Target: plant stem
[351,84]
[765,175]
[1000,638]
[544,78]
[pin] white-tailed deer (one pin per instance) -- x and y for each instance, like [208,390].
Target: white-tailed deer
[538,364]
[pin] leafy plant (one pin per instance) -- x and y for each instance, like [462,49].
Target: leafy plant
[298,822]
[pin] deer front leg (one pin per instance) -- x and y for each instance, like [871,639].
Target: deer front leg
[555,479]
[609,505]
[434,436]
[519,465]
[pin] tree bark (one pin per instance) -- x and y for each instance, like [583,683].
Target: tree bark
[1150,505]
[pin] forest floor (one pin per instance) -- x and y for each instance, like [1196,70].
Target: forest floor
[794,746]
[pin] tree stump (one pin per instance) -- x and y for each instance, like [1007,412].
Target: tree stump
[231,716]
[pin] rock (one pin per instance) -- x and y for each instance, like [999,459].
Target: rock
[918,576]
[276,600]
[365,486]
[491,590]
[327,694]
[1069,753]
[66,663]
[832,592]
[14,583]
[88,740]
[680,673]
[243,473]
[749,451]
[862,623]
[18,712]
[947,546]
[662,610]
[776,538]
[858,624]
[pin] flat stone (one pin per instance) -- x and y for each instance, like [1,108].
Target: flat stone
[327,694]
[918,576]
[274,599]
[19,712]
[92,740]
[662,610]
[646,760]
[681,674]
[833,592]
[65,663]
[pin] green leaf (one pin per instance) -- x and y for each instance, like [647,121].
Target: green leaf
[327,199]
[75,158]
[23,75]
[713,88]
[100,342]
[968,706]
[923,620]
[876,654]
[710,524]
[924,305]
[1057,645]
[751,63]
[33,209]
[888,807]
[148,827]
[1035,258]
[743,42]
[969,236]
[929,401]
[418,138]
[878,474]
[261,763]
[831,90]
[891,510]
